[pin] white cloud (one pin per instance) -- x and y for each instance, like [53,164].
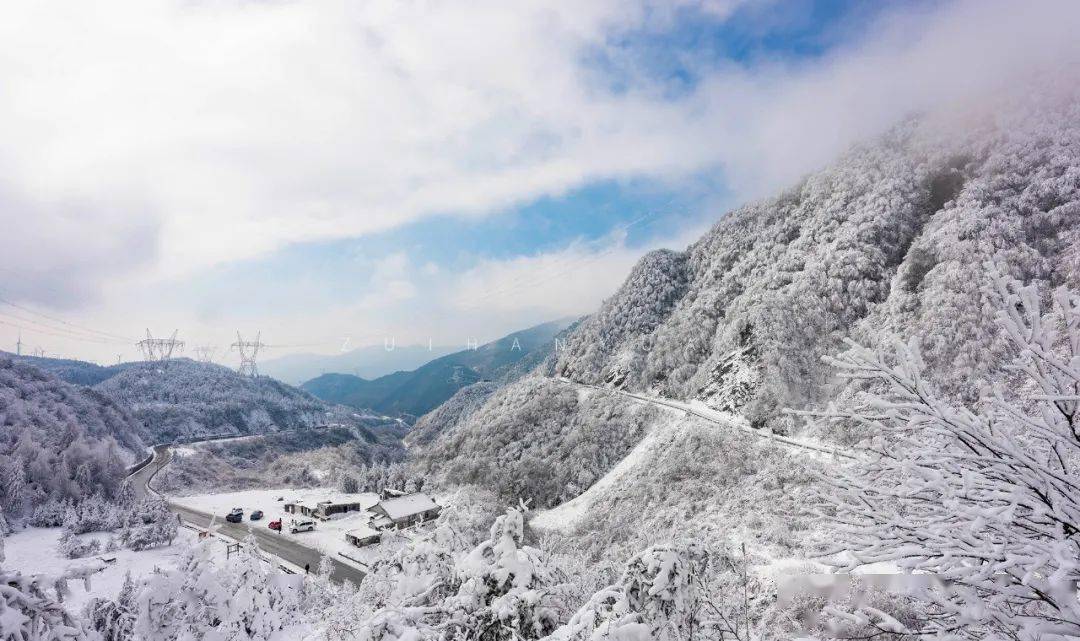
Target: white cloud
[244,126]
[144,139]
[569,282]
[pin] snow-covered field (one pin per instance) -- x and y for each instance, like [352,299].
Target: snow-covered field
[33,551]
[329,535]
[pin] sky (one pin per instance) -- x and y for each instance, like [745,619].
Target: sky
[331,173]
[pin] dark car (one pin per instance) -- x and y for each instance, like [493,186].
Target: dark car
[233,517]
[256,515]
[274,525]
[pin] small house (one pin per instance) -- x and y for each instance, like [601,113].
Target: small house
[405,510]
[362,536]
[323,509]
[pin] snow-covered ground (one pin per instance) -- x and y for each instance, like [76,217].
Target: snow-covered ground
[329,535]
[33,551]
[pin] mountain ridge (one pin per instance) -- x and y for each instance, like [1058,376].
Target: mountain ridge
[419,391]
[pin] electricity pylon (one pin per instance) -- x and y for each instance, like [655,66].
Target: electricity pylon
[159,349]
[249,351]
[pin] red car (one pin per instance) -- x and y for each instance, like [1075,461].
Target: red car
[274,525]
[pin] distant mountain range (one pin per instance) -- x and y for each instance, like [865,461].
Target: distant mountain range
[421,390]
[368,362]
[185,398]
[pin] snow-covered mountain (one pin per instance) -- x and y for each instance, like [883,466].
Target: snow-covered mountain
[892,240]
[182,398]
[419,391]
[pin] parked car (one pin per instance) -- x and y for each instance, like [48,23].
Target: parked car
[302,526]
[274,525]
[233,517]
[256,515]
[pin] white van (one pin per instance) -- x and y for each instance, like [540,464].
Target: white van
[301,526]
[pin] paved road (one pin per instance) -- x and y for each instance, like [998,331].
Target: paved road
[270,542]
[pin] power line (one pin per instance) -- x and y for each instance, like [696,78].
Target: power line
[64,322]
[34,330]
[77,335]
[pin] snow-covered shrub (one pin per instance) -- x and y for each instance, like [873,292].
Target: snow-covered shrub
[50,514]
[499,590]
[244,598]
[986,499]
[71,546]
[656,598]
[27,613]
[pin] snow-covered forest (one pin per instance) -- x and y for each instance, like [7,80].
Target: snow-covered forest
[59,442]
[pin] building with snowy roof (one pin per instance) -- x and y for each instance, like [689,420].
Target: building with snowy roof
[401,511]
[362,536]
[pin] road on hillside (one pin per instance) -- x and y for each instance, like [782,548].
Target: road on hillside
[731,422]
[270,542]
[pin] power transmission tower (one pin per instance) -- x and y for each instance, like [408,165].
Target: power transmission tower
[205,353]
[18,345]
[249,351]
[159,349]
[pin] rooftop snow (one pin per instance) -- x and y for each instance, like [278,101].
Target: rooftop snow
[404,506]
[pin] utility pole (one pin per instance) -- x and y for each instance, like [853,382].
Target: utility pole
[249,352]
[159,349]
[18,345]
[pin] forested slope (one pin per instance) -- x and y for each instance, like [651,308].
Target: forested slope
[183,398]
[57,440]
[892,239]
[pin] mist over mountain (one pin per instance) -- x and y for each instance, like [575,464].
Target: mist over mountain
[367,362]
[419,391]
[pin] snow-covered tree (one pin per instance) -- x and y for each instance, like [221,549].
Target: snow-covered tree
[200,600]
[114,620]
[152,525]
[500,590]
[657,598]
[985,498]
[27,613]
[262,604]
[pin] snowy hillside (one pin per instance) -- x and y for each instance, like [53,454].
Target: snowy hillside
[891,239]
[59,441]
[184,398]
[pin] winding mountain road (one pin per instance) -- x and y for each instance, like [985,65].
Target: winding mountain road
[270,542]
[721,419]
